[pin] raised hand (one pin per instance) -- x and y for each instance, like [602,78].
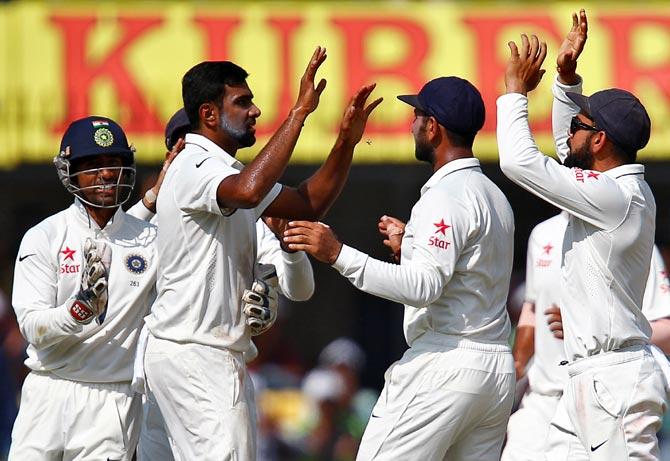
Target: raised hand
[524,68]
[393,230]
[356,115]
[571,48]
[308,97]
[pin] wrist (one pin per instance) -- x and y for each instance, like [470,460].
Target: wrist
[569,78]
[515,86]
[298,114]
[149,200]
[335,254]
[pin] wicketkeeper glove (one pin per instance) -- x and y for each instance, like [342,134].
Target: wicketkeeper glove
[261,302]
[91,300]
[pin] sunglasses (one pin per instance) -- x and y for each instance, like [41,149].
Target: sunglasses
[576,125]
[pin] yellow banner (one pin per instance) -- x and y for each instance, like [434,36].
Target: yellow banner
[64,61]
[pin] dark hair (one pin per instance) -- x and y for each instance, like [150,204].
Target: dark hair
[206,82]
[460,140]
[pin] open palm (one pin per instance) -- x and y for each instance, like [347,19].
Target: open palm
[573,45]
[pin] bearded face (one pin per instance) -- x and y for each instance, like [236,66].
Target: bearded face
[580,156]
[423,149]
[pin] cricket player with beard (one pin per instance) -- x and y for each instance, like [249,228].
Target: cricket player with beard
[198,334]
[294,279]
[615,396]
[547,374]
[84,279]
[450,395]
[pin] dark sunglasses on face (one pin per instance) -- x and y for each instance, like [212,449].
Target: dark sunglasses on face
[576,125]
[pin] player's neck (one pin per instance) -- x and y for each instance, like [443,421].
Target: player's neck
[220,139]
[607,163]
[449,154]
[100,215]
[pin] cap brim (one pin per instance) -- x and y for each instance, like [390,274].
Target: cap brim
[581,101]
[412,100]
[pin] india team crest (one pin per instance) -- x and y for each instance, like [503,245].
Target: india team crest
[103,137]
[136,264]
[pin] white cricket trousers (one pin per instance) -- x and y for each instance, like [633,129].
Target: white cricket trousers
[63,420]
[611,408]
[206,398]
[447,398]
[528,427]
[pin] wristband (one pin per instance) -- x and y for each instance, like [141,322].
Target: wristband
[151,196]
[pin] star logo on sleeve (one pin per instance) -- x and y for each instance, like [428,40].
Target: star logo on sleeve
[441,227]
[592,175]
[547,248]
[69,254]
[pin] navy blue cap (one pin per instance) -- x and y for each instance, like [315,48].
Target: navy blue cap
[619,114]
[176,127]
[454,102]
[95,135]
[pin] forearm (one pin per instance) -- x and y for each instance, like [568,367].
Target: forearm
[563,109]
[296,279]
[524,348]
[45,327]
[412,285]
[247,189]
[322,188]
[660,335]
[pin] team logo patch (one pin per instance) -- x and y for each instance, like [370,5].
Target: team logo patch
[441,227]
[103,137]
[136,264]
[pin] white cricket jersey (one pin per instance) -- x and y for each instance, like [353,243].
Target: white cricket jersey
[294,271]
[543,288]
[47,276]
[456,259]
[609,237]
[207,255]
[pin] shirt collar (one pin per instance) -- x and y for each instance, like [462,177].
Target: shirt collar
[81,215]
[196,141]
[450,167]
[626,170]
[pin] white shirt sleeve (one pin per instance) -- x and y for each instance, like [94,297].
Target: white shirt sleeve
[656,301]
[196,188]
[420,281]
[139,211]
[591,196]
[562,112]
[294,271]
[41,322]
[531,289]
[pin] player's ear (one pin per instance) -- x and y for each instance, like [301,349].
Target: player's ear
[598,140]
[434,131]
[209,115]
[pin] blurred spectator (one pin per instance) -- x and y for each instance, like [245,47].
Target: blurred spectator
[12,354]
[330,438]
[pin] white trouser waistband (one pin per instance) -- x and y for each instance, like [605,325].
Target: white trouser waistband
[625,354]
[458,342]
